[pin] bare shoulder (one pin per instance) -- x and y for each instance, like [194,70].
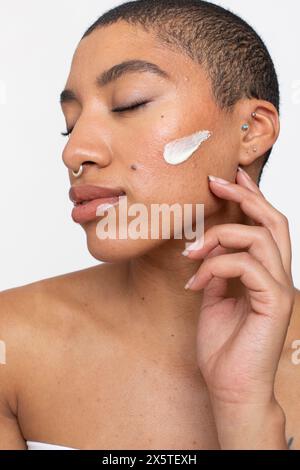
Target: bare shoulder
[48,303]
[51,311]
[62,288]
[31,318]
[28,308]
[39,324]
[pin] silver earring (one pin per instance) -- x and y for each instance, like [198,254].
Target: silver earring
[254,115]
[78,173]
[245,127]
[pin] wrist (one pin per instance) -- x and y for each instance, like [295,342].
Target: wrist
[251,426]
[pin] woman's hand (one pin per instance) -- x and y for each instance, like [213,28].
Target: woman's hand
[240,340]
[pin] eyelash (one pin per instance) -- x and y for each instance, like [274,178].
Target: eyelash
[116,110]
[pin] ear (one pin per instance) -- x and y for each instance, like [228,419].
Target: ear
[263,129]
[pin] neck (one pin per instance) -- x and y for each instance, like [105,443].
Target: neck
[158,304]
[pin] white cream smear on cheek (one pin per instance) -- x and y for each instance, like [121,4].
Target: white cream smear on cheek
[179,150]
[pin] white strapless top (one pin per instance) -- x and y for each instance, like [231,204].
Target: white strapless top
[34,445]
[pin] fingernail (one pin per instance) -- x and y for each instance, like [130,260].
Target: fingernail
[218,180]
[197,245]
[190,282]
[244,173]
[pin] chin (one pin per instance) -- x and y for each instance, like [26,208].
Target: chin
[113,251]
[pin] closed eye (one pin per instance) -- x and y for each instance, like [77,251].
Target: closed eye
[130,108]
[116,110]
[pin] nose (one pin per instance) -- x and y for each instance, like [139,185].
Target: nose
[74,158]
[86,150]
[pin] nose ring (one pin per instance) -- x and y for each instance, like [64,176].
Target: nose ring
[78,173]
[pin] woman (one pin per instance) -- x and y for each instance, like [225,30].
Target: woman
[128,354]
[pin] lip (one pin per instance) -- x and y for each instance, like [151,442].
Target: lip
[87,198]
[88,192]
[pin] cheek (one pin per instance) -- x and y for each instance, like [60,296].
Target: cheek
[162,175]
[151,181]
[160,157]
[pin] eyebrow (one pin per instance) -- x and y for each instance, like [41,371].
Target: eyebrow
[115,72]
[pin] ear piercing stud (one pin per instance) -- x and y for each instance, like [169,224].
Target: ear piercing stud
[245,127]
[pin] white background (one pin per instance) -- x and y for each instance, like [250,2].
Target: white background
[37,41]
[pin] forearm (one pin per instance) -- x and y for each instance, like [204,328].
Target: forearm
[250,427]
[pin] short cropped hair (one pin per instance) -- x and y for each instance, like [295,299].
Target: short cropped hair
[232,53]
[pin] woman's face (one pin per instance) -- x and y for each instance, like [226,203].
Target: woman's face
[126,149]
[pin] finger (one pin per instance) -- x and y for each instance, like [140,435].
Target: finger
[216,288]
[267,297]
[258,241]
[252,274]
[262,212]
[244,179]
